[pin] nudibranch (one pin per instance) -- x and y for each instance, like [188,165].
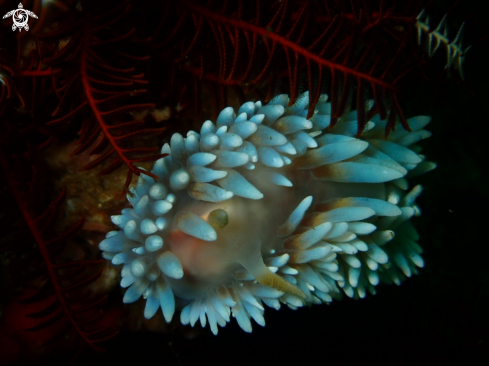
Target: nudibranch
[267,207]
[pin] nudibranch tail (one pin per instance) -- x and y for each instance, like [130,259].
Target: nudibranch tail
[263,275]
[267,207]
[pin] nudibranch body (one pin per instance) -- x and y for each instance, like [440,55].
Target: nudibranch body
[267,207]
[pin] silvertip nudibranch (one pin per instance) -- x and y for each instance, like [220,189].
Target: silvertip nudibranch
[267,207]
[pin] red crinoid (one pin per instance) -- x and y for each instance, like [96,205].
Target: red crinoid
[352,50]
[90,67]
[102,45]
[52,275]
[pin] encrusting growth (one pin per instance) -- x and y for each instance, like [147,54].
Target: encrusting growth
[267,207]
